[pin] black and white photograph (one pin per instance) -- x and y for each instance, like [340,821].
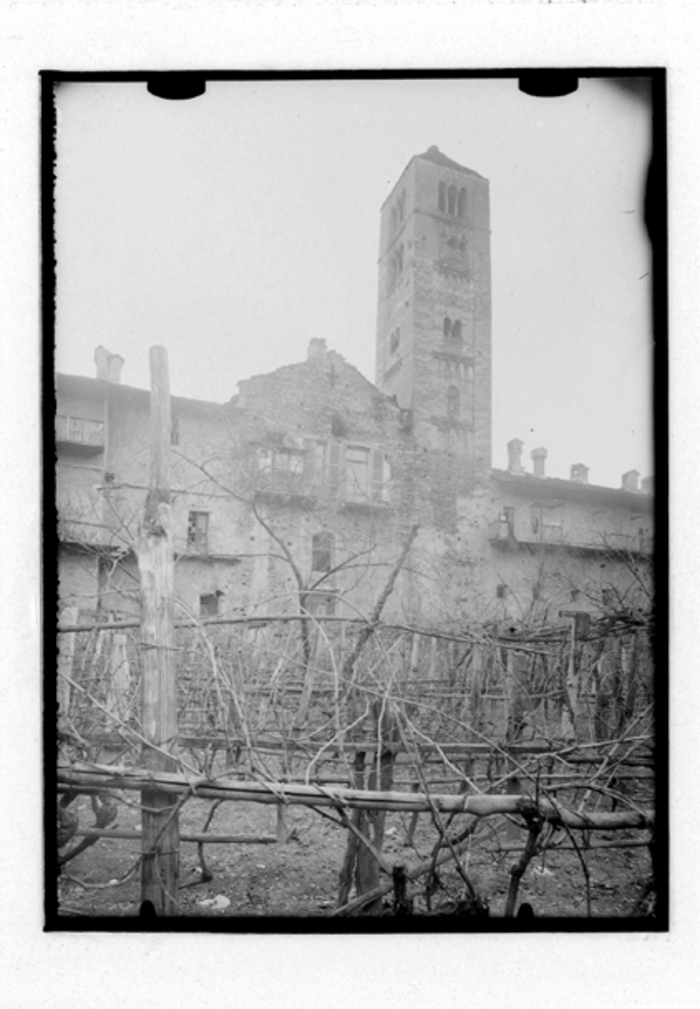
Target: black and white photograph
[356,384]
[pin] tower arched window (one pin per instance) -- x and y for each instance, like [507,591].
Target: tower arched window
[453,402]
[452,200]
[462,203]
[442,197]
[446,327]
[456,331]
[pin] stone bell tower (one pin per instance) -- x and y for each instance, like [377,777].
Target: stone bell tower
[433,347]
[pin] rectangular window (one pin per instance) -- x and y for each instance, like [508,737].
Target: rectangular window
[551,532]
[378,483]
[79,430]
[209,605]
[334,465]
[360,474]
[295,464]
[357,473]
[536,520]
[509,515]
[280,464]
[322,552]
[198,531]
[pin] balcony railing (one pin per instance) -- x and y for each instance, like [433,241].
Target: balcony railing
[88,434]
[500,532]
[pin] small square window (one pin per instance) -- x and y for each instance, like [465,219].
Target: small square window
[209,604]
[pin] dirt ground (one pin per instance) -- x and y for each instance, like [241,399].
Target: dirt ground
[300,878]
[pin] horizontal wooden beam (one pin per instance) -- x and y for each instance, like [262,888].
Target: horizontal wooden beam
[92,778]
[426,750]
[521,642]
[136,835]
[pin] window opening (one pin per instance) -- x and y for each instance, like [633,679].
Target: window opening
[357,470]
[462,203]
[453,402]
[334,465]
[209,604]
[452,200]
[377,475]
[322,551]
[442,196]
[509,516]
[280,463]
[198,531]
[339,428]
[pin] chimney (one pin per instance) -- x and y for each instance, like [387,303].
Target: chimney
[109,366]
[579,473]
[101,360]
[630,480]
[648,485]
[317,349]
[538,456]
[115,363]
[515,448]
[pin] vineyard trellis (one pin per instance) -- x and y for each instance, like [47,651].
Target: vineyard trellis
[433,714]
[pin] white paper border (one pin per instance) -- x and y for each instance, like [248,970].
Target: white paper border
[259,971]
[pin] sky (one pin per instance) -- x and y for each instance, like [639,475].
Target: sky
[235,227]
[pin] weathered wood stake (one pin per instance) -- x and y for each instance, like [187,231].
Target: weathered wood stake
[159,819]
[66,651]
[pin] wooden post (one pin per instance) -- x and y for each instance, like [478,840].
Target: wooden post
[66,651]
[159,821]
[569,709]
[118,679]
[432,668]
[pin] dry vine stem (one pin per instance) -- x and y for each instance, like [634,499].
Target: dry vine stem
[447,698]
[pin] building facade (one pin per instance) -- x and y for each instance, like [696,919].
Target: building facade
[300,491]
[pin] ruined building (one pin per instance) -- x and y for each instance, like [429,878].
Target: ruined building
[301,490]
